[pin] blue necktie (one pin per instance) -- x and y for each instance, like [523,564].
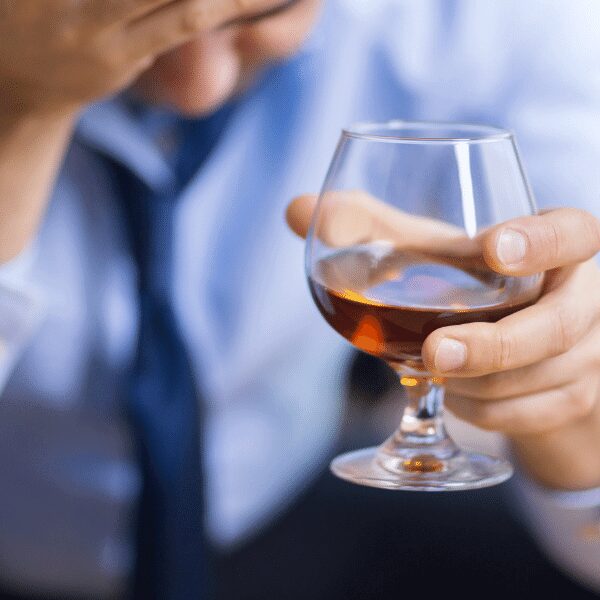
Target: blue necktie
[162,400]
[161,397]
[163,409]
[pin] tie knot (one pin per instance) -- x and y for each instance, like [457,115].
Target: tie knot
[148,219]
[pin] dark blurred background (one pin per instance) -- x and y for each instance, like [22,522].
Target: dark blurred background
[345,542]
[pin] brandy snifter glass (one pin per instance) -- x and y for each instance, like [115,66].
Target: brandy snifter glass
[394,253]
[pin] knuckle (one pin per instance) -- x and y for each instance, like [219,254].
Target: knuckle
[551,241]
[567,328]
[501,357]
[193,19]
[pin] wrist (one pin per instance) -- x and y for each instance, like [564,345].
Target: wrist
[41,133]
[564,459]
[18,113]
[12,118]
[32,146]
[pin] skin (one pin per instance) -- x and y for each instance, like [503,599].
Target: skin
[534,375]
[191,55]
[186,54]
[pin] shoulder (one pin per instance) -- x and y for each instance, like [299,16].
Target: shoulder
[426,37]
[471,56]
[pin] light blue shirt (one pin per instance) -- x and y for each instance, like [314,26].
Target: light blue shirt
[270,369]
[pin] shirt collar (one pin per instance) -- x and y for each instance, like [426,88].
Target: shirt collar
[112,129]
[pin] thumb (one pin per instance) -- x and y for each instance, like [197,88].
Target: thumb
[534,244]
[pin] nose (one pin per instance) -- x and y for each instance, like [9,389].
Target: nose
[201,74]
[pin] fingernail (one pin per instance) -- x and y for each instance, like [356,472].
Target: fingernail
[511,247]
[450,355]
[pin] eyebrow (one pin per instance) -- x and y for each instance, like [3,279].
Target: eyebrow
[247,20]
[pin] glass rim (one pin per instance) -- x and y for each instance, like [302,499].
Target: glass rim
[475,133]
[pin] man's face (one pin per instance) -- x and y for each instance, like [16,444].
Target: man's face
[202,74]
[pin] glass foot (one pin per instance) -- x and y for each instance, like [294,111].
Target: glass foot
[421,471]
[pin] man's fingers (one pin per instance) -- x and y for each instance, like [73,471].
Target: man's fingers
[550,373]
[539,243]
[544,375]
[520,247]
[299,214]
[534,413]
[105,13]
[547,374]
[549,328]
[133,9]
[351,217]
[181,20]
[346,218]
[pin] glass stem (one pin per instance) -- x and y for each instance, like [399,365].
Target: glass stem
[421,443]
[422,420]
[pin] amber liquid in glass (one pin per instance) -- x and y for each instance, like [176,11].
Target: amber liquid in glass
[386,301]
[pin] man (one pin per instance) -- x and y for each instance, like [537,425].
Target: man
[126,221]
